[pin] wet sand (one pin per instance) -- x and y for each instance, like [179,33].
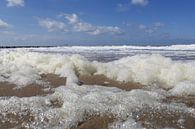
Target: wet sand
[148,118]
[53,81]
[104,81]
[15,120]
[96,122]
[189,101]
[159,119]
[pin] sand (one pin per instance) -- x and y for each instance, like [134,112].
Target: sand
[14,120]
[104,81]
[189,101]
[7,89]
[152,119]
[96,122]
[53,81]
[148,118]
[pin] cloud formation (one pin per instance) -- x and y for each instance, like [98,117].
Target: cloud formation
[81,26]
[3,24]
[151,29]
[52,25]
[11,3]
[139,2]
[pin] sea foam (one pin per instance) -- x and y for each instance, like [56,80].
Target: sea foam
[22,67]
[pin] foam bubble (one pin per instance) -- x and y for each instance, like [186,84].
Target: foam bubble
[76,103]
[184,89]
[129,124]
[23,67]
[148,70]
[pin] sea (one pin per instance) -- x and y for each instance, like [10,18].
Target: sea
[166,100]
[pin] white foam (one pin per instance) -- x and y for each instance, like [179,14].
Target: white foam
[110,53]
[184,89]
[23,67]
[129,124]
[171,47]
[148,70]
[81,102]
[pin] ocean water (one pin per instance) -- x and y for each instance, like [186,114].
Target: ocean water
[164,71]
[110,53]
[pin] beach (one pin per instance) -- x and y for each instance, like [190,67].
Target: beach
[158,119]
[97,64]
[40,89]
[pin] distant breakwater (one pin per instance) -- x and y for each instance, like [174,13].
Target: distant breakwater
[25,46]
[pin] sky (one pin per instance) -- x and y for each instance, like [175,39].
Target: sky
[97,22]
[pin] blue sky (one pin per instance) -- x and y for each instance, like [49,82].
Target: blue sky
[97,22]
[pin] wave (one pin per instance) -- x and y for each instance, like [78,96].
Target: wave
[171,47]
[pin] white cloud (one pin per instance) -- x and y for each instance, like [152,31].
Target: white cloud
[11,3]
[77,25]
[105,29]
[52,25]
[3,24]
[139,2]
[151,29]
[72,18]
[81,26]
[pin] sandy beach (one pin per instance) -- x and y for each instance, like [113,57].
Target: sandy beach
[52,81]
[148,118]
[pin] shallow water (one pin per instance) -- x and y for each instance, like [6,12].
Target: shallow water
[167,75]
[110,53]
